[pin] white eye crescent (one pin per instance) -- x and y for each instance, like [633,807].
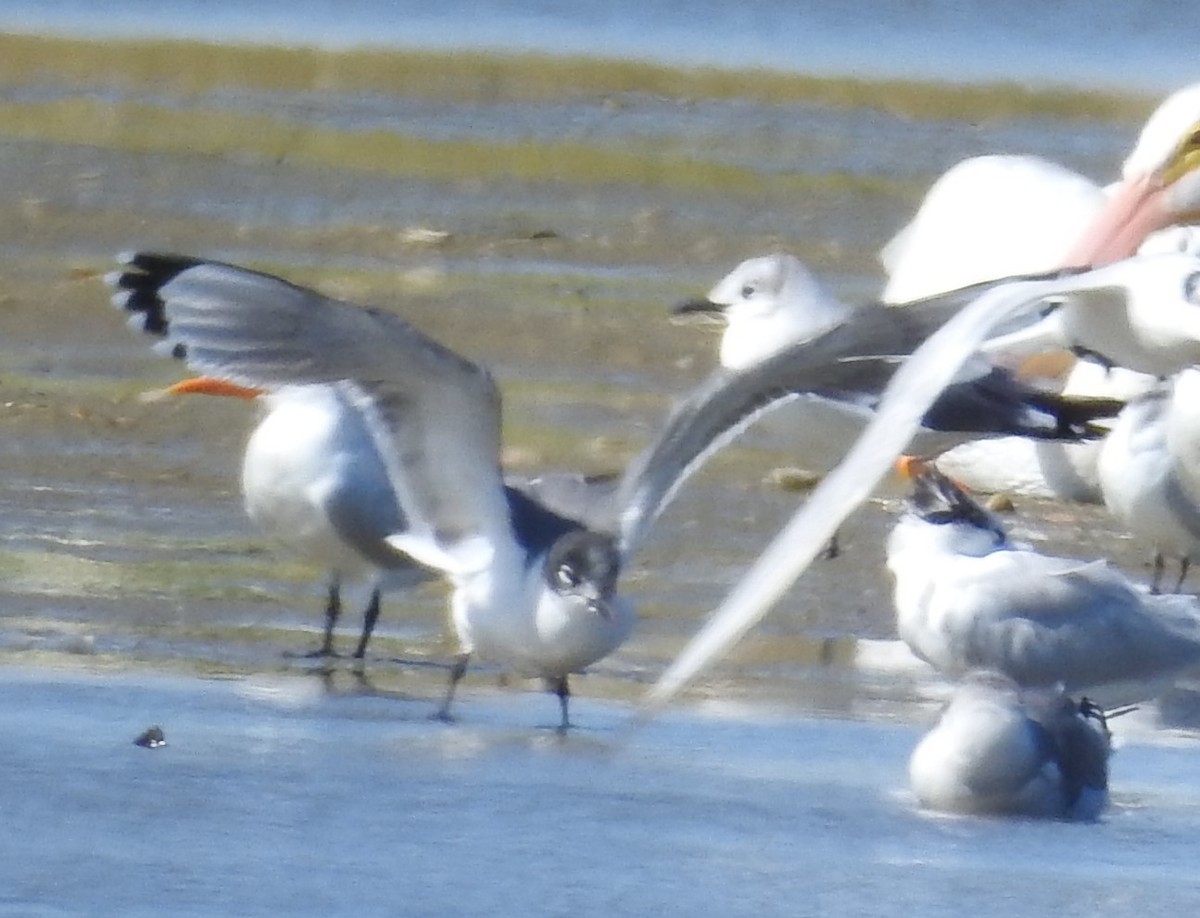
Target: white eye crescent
[566,576]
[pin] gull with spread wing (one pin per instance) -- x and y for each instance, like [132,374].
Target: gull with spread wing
[533,589]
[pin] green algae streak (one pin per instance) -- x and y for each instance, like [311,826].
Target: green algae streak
[195,67]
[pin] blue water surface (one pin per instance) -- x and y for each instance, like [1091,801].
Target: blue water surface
[279,797]
[1140,45]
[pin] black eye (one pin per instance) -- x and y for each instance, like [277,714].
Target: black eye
[1191,288]
[748,291]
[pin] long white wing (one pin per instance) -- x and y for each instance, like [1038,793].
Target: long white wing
[911,391]
[848,365]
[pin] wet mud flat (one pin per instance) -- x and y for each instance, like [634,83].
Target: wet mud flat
[126,545]
[537,216]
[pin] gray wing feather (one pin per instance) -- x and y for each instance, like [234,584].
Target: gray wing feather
[859,356]
[1084,625]
[851,363]
[587,499]
[435,417]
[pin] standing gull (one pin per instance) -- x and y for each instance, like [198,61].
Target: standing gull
[1145,485]
[313,480]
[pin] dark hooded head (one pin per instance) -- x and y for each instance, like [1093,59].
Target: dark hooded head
[585,565]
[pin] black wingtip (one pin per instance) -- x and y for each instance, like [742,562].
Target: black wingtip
[1077,416]
[161,265]
[138,287]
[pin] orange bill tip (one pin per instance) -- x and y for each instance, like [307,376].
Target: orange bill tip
[208,385]
[910,466]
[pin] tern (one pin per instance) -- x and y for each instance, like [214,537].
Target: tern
[967,597]
[1001,750]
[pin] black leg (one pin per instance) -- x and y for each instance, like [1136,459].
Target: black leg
[1159,564]
[558,685]
[457,671]
[333,610]
[370,617]
[1184,563]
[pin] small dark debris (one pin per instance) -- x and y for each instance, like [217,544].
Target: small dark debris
[151,739]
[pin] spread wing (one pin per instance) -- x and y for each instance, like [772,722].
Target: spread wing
[434,416]
[850,364]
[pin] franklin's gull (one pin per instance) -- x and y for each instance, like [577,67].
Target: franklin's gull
[534,589]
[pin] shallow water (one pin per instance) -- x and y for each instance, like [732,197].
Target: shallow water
[543,227]
[276,796]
